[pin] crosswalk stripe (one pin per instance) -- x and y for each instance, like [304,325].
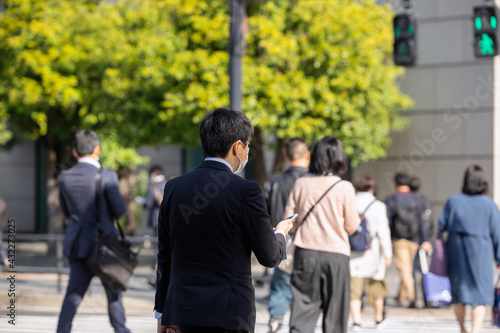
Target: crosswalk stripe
[100,324]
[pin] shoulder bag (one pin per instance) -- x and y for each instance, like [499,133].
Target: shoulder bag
[112,258]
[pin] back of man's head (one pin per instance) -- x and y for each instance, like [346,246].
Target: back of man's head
[221,128]
[296,149]
[402,179]
[85,142]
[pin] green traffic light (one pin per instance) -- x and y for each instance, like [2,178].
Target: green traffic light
[493,22]
[410,30]
[478,23]
[486,44]
[404,50]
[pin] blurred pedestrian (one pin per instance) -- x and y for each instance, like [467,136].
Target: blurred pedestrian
[78,200]
[210,222]
[428,218]
[154,196]
[297,156]
[415,184]
[4,259]
[321,277]
[369,267]
[472,221]
[408,232]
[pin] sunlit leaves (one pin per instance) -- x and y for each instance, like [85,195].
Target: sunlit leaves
[147,71]
[323,68]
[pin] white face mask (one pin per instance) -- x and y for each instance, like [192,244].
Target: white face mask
[242,164]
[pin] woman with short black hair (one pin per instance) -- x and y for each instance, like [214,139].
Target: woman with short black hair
[321,277]
[472,221]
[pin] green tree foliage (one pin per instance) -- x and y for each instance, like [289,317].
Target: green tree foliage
[316,68]
[148,71]
[78,64]
[310,69]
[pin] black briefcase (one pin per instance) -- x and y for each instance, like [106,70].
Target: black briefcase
[112,258]
[114,261]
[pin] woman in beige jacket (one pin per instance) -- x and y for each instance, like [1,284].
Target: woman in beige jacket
[321,277]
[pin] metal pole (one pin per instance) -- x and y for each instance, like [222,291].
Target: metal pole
[235,53]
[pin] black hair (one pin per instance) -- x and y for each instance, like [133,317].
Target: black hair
[296,149]
[414,184]
[156,168]
[85,142]
[364,183]
[402,179]
[328,157]
[474,180]
[221,128]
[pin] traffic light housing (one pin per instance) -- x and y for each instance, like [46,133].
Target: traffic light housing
[485,31]
[405,43]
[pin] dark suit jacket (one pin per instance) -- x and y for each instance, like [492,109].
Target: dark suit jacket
[77,200]
[210,221]
[278,190]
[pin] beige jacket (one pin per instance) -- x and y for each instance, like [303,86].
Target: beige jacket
[331,222]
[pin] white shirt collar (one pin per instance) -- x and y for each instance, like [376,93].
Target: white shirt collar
[220,160]
[365,194]
[89,160]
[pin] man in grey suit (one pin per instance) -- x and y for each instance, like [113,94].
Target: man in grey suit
[77,197]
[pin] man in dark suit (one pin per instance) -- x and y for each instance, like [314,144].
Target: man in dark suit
[77,197]
[210,221]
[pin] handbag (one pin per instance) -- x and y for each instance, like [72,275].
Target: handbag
[287,264]
[112,258]
[439,260]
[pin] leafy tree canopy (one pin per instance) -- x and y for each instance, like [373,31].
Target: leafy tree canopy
[146,72]
[324,68]
[311,68]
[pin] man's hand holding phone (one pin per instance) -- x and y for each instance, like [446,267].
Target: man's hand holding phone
[287,224]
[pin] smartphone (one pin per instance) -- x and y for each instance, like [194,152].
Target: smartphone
[293,217]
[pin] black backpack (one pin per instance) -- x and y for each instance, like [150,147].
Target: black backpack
[361,239]
[406,222]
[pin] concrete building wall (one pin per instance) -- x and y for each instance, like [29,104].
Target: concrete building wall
[169,157]
[18,184]
[451,123]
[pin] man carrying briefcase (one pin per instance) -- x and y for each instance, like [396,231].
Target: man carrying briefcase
[77,197]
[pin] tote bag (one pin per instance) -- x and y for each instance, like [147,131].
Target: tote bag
[439,261]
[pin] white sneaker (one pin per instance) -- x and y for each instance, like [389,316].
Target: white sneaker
[355,328]
[381,325]
[275,324]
